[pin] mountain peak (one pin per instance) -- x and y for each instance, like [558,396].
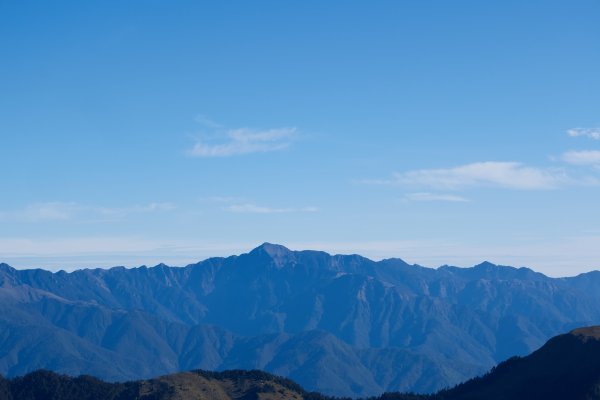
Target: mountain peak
[587,332]
[280,255]
[272,249]
[486,265]
[5,267]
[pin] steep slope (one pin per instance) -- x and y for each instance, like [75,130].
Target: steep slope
[566,367]
[343,325]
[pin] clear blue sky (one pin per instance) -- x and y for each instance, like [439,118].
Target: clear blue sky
[169,131]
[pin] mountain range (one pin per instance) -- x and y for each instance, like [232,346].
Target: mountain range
[566,367]
[342,325]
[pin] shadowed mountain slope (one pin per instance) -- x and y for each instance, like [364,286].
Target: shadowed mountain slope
[566,367]
[342,324]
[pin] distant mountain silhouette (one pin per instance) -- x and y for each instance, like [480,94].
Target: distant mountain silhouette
[343,325]
[566,367]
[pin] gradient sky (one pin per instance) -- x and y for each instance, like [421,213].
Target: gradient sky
[439,132]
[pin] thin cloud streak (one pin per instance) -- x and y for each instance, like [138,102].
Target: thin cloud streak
[65,211]
[245,141]
[509,175]
[206,121]
[584,157]
[592,133]
[249,208]
[425,196]
[52,211]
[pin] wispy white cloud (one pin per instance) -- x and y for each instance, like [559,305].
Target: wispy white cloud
[206,121]
[425,196]
[592,133]
[244,205]
[51,211]
[135,209]
[250,208]
[511,175]
[63,211]
[584,157]
[245,141]
[222,199]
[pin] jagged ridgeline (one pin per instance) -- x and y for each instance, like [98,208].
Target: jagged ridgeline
[567,367]
[340,325]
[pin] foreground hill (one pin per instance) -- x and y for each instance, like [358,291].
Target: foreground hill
[342,325]
[566,367]
[196,385]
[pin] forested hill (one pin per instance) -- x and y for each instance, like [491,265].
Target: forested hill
[567,367]
[196,385]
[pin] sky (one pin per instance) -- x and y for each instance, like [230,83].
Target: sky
[438,132]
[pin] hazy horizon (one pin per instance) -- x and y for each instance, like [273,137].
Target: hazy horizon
[70,264]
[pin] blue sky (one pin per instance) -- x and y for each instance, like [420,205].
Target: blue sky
[439,132]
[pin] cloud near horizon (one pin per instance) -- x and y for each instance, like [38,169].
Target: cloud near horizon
[64,211]
[245,141]
[566,256]
[509,175]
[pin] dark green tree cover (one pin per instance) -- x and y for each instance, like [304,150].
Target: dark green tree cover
[4,388]
[48,385]
[567,367]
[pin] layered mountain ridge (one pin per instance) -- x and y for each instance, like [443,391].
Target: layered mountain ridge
[566,367]
[341,325]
